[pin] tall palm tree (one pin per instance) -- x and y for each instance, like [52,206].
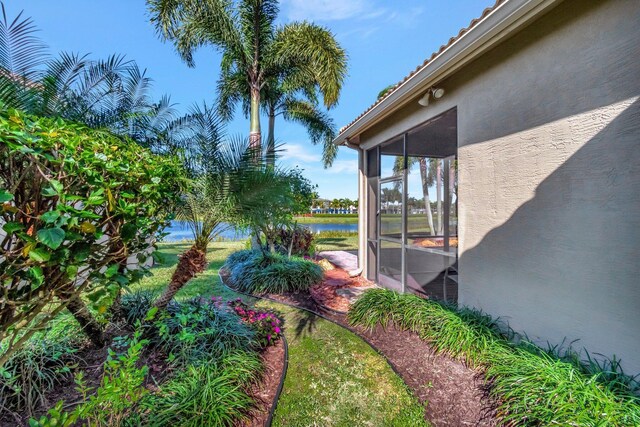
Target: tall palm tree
[254,51]
[428,176]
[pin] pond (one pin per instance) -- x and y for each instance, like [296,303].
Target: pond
[179,230]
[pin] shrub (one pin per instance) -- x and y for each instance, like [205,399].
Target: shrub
[135,306]
[257,272]
[32,371]
[75,203]
[531,386]
[212,394]
[266,324]
[296,240]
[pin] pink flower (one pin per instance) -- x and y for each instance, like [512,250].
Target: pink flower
[277,330]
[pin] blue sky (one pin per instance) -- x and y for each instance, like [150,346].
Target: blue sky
[385,40]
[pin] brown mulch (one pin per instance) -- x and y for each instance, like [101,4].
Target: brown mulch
[264,393]
[454,393]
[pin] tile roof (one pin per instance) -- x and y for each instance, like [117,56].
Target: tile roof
[427,61]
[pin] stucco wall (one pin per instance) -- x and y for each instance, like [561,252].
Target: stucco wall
[549,177]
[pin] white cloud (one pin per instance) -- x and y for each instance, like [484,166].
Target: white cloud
[344,166]
[295,152]
[325,10]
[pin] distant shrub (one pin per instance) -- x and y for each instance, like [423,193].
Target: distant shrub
[257,272]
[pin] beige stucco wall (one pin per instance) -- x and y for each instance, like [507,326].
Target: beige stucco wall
[549,177]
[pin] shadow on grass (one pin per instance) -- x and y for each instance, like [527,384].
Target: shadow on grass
[305,323]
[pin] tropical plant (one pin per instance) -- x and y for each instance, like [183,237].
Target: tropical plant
[111,93]
[76,205]
[257,57]
[229,182]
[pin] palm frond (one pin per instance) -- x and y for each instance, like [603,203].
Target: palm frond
[303,44]
[22,54]
[317,122]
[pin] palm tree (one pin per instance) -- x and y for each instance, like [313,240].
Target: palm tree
[111,93]
[427,177]
[254,51]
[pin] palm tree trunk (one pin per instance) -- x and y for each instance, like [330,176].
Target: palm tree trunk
[191,263]
[271,139]
[254,130]
[425,192]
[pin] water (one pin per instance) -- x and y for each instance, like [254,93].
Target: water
[179,230]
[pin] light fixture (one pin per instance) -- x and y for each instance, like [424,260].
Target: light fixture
[437,93]
[424,101]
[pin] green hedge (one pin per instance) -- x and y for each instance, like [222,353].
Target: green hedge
[531,386]
[256,272]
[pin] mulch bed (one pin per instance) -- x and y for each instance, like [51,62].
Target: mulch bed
[264,393]
[455,394]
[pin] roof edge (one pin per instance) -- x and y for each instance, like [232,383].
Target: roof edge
[499,23]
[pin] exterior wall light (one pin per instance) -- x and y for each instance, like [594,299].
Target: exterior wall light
[437,93]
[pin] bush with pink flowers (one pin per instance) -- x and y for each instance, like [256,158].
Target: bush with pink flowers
[266,324]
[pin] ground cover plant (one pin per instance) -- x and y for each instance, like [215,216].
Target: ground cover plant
[531,386]
[259,272]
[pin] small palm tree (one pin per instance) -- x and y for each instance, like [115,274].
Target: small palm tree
[228,181]
[254,51]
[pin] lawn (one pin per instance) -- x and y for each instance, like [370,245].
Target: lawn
[334,377]
[328,219]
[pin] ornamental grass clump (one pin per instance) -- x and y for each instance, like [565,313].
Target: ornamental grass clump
[259,272]
[531,386]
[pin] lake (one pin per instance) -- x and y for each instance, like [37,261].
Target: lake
[179,230]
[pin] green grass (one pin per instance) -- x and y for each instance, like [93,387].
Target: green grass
[328,219]
[337,243]
[336,379]
[206,284]
[533,386]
